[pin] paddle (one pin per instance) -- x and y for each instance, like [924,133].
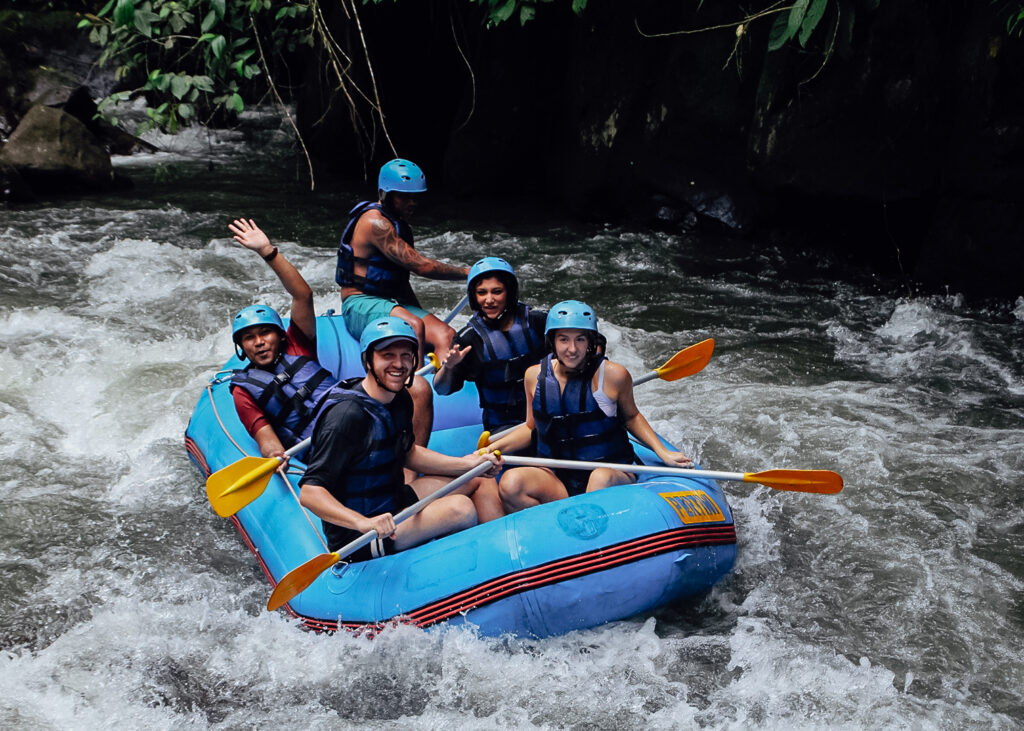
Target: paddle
[458,308]
[235,486]
[686,362]
[298,579]
[232,488]
[824,482]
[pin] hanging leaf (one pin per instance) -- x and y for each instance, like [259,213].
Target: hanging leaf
[124,13]
[218,7]
[209,21]
[504,12]
[180,85]
[217,46]
[811,20]
[796,17]
[777,36]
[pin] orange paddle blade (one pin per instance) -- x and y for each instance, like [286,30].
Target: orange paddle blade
[295,581]
[824,482]
[238,484]
[687,361]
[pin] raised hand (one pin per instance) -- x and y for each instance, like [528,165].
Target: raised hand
[249,235]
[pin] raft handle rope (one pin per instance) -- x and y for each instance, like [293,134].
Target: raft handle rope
[281,470]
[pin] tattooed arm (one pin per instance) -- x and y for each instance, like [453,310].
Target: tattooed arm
[394,248]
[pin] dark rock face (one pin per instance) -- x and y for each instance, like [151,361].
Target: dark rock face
[55,152]
[908,152]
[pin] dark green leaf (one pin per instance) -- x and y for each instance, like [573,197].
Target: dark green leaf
[217,46]
[504,12]
[526,13]
[811,20]
[124,13]
[578,6]
[209,21]
[218,6]
[180,85]
[142,24]
[235,102]
[777,37]
[796,17]
[203,83]
[185,111]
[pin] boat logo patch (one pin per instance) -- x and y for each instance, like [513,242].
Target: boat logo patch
[694,506]
[584,521]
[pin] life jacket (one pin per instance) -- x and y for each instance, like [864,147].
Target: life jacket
[372,483]
[571,425]
[383,278]
[290,395]
[505,356]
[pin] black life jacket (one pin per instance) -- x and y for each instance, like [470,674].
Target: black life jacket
[505,356]
[570,424]
[373,482]
[290,395]
[383,278]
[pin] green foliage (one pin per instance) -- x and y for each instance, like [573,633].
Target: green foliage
[498,11]
[800,20]
[192,59]
[1015,19]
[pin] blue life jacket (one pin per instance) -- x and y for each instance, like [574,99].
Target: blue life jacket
[290,395]
[383,278]
[570,424]
[373,482]
[504,358]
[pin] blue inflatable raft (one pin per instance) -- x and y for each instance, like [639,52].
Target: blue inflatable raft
[545,571]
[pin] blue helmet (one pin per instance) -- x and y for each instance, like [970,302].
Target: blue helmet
[401,175]
[255,315]
[571,314]
[386,328]
[381,333]
[493,266]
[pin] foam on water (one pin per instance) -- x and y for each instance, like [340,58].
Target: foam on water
[127,603]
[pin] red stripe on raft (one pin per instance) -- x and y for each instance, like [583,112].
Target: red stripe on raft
[197,456]
[543,575]
[570,568]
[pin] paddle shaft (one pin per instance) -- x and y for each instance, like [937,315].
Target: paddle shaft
[298,579]
[415,508]
[458,308]
[813,481]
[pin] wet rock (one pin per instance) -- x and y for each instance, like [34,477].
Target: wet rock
[54,152]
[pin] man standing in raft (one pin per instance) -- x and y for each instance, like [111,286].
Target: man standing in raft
[503,338]
[376,255]
[581,406]
[362,440]
[278,394]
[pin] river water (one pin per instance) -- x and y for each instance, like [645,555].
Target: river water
[127,603]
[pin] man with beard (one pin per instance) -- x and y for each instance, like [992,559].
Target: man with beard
[362,440]
[278,394]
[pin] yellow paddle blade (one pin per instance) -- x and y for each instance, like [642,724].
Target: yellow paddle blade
[295,581]
[687,361]
[484,440]
[238,484]
[824,482]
